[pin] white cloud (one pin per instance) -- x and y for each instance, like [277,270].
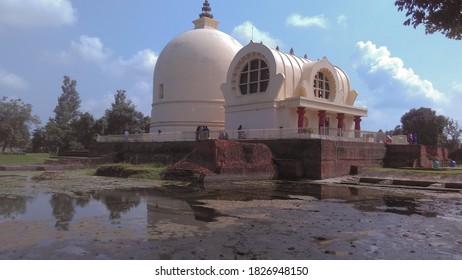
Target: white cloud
[393,84]
[97,106]
[133,74]
[139,93]
[456,87]
[90,49]
[142,63]
[248,31]
[301,21]
[342,20]
[453,109]
[36,13]
[12,81]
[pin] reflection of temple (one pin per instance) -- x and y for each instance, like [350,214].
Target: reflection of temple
[63,210]
[165,209]
[118,202]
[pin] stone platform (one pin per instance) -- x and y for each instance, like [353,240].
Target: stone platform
[279,159]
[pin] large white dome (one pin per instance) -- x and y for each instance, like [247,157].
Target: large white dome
[187,80]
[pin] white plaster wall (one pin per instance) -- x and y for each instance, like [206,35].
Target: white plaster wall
[186,116]
[191,69]
[251,119]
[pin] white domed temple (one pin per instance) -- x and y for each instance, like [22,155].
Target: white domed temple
[188,76]
[204,77]
[299,114]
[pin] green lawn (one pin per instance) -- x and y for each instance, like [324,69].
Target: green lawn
[6,159]
[125,170]
[446,170]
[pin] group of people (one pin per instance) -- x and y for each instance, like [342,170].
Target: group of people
[202,132]
[126,135]
[223,135]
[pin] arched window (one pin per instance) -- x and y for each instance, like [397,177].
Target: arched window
[254,77]
[322,85]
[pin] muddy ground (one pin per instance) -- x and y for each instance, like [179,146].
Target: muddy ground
[73,215]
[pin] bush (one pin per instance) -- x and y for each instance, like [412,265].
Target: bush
[123,170]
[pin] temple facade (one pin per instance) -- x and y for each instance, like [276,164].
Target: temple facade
[204,77]
[268,88]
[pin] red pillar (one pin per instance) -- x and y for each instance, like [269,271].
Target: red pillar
[357,126]
[301,118]
[340,124]
[322,121]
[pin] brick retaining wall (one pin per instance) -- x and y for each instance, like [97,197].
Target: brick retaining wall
[293,158]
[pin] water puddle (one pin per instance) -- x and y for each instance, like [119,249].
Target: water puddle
[117,208]
[180,204]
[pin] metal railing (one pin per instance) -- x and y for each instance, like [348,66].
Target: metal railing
[247,134]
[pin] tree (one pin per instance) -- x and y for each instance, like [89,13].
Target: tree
[452,133]
[38,142]
[68,106]
[146,124]
[123,115]
[15,122]
[58,137]
[100,126]
[84,129]
[443,16]
[59,134]
[424,123]
[396,131]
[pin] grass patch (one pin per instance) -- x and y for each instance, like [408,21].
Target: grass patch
[124,170]
[444,171]
[24,158]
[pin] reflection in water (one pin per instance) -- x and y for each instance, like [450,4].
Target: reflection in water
[63,210]
[10,206]
[405,206]
[364,199]
[118,202]
[153,208]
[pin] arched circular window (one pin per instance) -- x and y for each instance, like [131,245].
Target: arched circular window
[322,85]
[254,77]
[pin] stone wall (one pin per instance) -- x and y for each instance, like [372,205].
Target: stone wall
[414,156]
[225,158]
[142,152]
[340,157]
[438,153]
[320,159]
[288,158]
[456,155]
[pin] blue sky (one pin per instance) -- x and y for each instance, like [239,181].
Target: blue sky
[108,45]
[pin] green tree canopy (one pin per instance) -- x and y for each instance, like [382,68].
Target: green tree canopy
[59,133]
[452,133]
[443,16]
[123,115]
[15,122]
[426,124]
[84,129]
[38,142]
[68,106]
